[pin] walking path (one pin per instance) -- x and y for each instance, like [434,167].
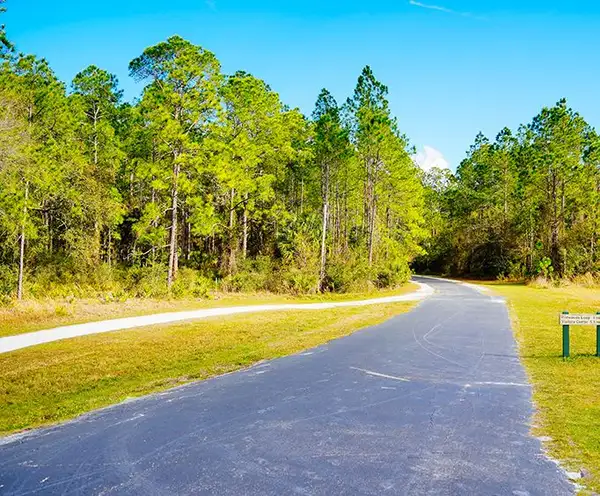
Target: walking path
[432,402]
[12,343]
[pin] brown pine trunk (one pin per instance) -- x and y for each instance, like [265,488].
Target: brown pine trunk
[109,246]
[231,265]
[154,225]
[96,116]
[245,235]
[189,241]
[554,232]
[372,234]
[323,246]
[22,246]
[325,196]
[173,265]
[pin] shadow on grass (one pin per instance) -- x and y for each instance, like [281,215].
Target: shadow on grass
[575,356]
[554,356]
[500,355]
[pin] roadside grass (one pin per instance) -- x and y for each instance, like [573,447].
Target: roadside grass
[35,315]
[566,392]
[57,381]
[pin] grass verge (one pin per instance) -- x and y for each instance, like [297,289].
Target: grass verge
[566,392]
[58,381]
[35,315]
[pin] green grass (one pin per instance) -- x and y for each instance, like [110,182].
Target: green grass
[566,392]
[35,315]
[57,381]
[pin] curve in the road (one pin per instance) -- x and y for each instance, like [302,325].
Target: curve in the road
[12,343]
[432,402]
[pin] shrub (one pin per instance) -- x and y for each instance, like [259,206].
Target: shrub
[544,268]
[540,282]
[253,275]
[147,282]
[588,280]
[392,276]
[299,281]
[347,276]
[190,283]
[8,281]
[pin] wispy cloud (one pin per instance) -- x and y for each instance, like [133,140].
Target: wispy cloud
[446,10]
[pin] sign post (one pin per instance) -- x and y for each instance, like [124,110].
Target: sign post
[598,334]
[567,320]
[566,339]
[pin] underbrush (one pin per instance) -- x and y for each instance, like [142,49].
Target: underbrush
[541,281]
[65,281]
[587,280]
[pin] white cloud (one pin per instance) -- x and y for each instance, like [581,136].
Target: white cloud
[429,158]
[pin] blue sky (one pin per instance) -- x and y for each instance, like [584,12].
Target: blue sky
[453,67]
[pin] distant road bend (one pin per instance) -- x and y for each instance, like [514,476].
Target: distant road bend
[433,402]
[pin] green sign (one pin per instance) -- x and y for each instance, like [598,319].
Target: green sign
[579,319]
[568,319]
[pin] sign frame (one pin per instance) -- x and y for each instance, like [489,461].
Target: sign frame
[567,319]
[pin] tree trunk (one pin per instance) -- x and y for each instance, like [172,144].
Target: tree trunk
[372,234]
[22,245]
[189,241]
[245,235]
[554,233]
[231,264]
[153,223]
[325,196]
[96,110]
[109,246]
[323,246]
[173,242]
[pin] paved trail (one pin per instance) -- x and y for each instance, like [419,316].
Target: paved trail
[434,402]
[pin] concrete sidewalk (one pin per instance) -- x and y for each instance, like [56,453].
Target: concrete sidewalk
[12,343]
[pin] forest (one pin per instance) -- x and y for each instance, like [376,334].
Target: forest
[206,179]
[209,181]
[524,205]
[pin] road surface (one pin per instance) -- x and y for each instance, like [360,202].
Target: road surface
[433,402]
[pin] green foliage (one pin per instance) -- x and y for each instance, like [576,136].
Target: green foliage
[5,45]
[147,282]
[254,274]
[190,283]
[544,268]
[207,177]
[7,281]
[526,204]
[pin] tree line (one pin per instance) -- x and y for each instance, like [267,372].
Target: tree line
[209,180]
[205,177]
[522,205]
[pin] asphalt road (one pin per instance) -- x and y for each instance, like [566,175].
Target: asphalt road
[431,402]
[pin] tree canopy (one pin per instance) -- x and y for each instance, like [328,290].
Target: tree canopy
[208,173]
[527,203]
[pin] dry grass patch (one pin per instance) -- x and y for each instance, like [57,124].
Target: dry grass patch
[57,381]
